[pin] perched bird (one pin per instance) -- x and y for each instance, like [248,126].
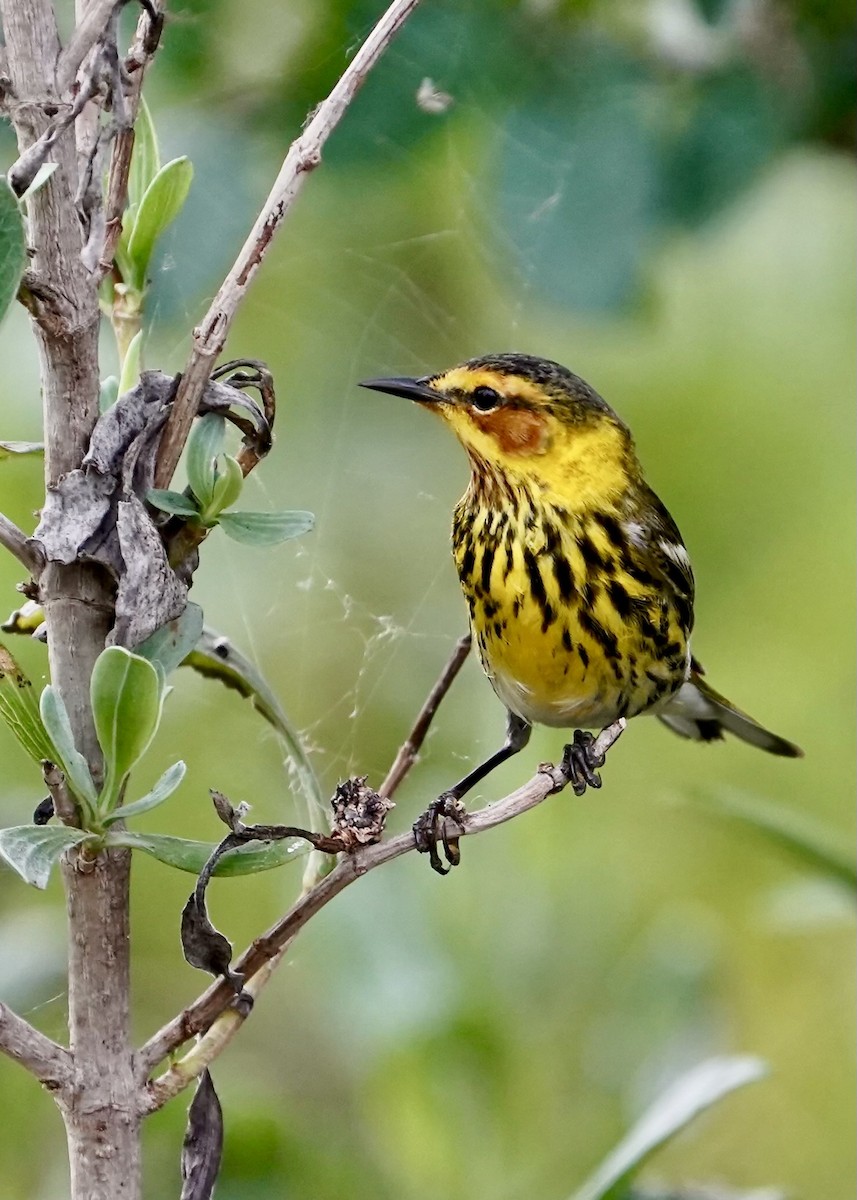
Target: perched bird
[579,586]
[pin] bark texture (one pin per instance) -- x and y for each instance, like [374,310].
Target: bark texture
[100,1104]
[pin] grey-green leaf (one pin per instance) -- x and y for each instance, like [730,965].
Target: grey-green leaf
[187,855]
[162,790]
[172,643]
[126,707]
[203,446]
[19,449]
[33,850]
[172,502]
[689,1096]
[13,245]
[76,768]
[19,708]
[265,529]
[161,204]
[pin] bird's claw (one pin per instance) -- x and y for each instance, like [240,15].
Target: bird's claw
[432,826]
[579,762]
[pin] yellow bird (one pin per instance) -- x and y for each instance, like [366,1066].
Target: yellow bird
[579,586]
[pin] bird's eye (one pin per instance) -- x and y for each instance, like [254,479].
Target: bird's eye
[485,398]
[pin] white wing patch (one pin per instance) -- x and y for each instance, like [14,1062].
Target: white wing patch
[676,552]
[636,534]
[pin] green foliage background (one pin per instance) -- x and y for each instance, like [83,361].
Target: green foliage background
[667,208]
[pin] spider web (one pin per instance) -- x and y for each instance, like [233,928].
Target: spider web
[314,595]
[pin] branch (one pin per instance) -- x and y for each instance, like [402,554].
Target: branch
[16,542]
[304,156]
[142,50]
[264,953]
[48,1061]
[90,28]
[410,748]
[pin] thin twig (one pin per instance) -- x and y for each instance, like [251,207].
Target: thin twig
[201,1015]
[410,748]
[304,156]
[16,542]
[47,1060]
[23,171]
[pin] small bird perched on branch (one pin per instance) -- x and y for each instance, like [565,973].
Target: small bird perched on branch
[579,586]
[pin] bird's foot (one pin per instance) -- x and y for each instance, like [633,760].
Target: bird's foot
[431,827]
[579,760]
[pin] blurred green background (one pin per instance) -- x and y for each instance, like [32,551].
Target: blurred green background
[659,195]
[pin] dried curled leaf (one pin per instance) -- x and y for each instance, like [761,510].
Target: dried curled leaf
[98,514]
[202,1149]
[359,813]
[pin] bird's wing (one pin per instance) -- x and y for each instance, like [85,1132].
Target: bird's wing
[664,551]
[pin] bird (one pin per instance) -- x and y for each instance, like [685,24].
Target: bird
[579,587]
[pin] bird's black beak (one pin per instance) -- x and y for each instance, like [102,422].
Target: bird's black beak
[411,389]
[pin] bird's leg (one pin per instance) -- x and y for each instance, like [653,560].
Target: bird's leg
[583,754]
[431,826]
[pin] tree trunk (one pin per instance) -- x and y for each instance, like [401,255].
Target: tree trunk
[101,1117]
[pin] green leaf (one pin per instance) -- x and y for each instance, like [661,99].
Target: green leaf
[131,364]
[192,856]
[19,449]
[13,245]
[170,644]
[20,709]
[680,1104]
[172,502]
[40,178]
[126,707]
[216,658]
[228,484]
[33,850]
[122,257]
[265,529]
[203,446]
[161,204]
[162,790]
[809,841]
[76,768]
[145,159]
[108,393]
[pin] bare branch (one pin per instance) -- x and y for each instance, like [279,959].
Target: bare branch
[16,542]
[22,172]
[90,28]
[64,804]
[303,157]
[47,1060]
[410,748]
[268,949]
[209,1047]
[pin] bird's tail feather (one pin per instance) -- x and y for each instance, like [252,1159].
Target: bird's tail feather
[696,711]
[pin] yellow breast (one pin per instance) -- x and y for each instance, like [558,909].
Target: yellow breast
[566,633]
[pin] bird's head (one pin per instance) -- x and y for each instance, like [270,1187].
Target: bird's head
[519,414]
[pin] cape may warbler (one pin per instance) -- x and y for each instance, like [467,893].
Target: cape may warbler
[579,586]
